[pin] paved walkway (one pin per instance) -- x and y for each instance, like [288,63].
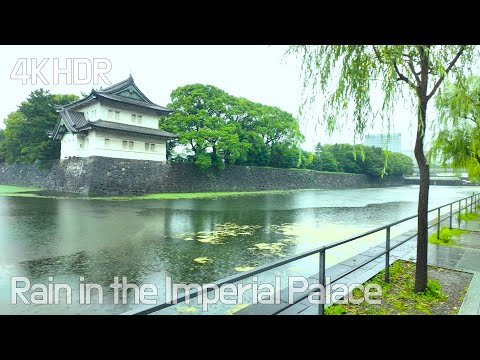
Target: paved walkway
[465,258]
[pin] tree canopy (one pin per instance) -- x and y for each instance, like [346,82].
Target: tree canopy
[360,159]
[348,75]
[26,133]
[457,142]
[2,137]
[222,129]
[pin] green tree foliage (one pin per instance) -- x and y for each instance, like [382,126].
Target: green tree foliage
[2,137]
[283,156]
[374,161]
[347,75]
[203,119]
[26,133]
[231,130]
[270,130]
[399,164]
[325,162]
[360,159]
[458,140]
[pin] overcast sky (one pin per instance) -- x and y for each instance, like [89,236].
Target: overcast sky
[258,73]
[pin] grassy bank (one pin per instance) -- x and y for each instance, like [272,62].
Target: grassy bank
[468,216]
[9,190]
[446,236]
[195,195]
[443,296]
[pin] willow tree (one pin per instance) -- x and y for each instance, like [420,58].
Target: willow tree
[347,76]
[458,140]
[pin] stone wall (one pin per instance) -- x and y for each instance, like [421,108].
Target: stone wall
[71,175]
[435,181]
[98,176]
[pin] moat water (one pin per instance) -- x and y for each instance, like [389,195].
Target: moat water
[188,240]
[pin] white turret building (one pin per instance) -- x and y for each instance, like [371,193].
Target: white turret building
[117,122]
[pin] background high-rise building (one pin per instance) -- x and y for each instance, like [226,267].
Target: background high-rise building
[380,140]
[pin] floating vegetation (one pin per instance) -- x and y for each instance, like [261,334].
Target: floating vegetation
[275,248]
[186,309]
[220,233]
[202,260]
[282,229]
[244,268]
[236,308]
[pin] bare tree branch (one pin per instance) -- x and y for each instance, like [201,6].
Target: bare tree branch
[412,69]
[403,77]
[447,70]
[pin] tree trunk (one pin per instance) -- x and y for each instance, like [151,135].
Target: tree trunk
[422,223]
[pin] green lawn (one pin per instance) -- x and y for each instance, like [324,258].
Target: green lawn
[446,236]
[196,195]
[443,296]
[11,189]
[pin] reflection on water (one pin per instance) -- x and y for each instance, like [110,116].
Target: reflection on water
[190,240]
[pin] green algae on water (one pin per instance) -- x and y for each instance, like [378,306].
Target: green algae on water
[221,233]
[202,260]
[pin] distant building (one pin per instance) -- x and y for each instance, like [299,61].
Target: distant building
[393,141]
[117,122]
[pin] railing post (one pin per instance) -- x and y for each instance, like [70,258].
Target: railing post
[459,211]
[438,223]
[466,206]
[471,203]
[387,255]
[451,215]
[321,278]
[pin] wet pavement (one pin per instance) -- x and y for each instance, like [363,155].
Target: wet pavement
[464,257]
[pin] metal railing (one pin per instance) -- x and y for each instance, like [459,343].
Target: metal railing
[474,202]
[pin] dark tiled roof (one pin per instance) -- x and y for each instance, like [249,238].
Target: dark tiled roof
[109,125]
[118,86]
[76,118]
[84,101]
[125,84]
[112,92]
[126,100]
[75,122]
